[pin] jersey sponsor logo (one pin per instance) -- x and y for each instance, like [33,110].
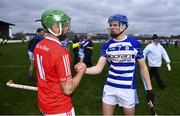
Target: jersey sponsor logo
[120,53]
[42,47]
[120,57]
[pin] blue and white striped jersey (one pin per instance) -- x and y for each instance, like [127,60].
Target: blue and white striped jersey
[65,43]
[83,44]
[122,56]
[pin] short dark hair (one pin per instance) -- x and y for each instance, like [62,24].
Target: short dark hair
[39,30]
[155,36]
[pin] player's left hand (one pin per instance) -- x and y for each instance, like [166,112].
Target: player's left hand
[150,96]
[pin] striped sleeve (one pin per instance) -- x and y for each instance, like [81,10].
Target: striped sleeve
[103,51]
[63,68]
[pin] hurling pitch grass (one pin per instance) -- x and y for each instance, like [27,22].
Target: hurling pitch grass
[14,65]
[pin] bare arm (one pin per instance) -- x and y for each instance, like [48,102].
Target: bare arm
[98,68]
[72,84]
[145,73]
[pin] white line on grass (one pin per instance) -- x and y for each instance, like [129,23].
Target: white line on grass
[174,62]
[13,66]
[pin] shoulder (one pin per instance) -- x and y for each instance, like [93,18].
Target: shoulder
[161,47]
[55,49]
[36,36]
[149,45]
[110,41]
[133,41]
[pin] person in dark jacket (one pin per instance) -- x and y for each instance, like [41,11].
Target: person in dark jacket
[88,50]
[75,47]
[37,38]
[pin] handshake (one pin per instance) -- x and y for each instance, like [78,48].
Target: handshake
[80,67]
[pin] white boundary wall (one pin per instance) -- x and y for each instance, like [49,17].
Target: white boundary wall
[16,41]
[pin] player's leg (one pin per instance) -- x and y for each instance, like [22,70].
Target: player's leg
[128,99]
[31,68]
[129,111]
[108,109]
[109,100]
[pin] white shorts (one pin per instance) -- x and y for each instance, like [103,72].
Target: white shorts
[70,113]
[126,98]
[31,56]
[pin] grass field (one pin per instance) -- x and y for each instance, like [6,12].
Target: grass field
[14,64]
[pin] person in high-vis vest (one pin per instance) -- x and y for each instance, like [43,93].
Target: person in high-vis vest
[75,47]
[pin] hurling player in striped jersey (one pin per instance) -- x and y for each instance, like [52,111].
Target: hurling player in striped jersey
[52,62]
[121,52]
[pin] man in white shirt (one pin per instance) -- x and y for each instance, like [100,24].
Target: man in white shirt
[154,53]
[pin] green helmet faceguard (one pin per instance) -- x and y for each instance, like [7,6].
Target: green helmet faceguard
[50,17]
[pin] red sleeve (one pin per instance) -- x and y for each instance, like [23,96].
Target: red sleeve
[63,68]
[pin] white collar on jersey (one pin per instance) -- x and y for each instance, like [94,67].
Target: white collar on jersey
[50,38]
[125,37]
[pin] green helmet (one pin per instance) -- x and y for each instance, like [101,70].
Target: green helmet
[50,17]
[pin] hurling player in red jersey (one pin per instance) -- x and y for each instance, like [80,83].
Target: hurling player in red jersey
[52,62]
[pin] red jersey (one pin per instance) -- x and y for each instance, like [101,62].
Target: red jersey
[52,63]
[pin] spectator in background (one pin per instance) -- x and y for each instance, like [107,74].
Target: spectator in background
[75,47]
[5,41]
[37,38]
[1,41]
[22,40]
[81,49]
[88,49]
[154,53]
[176,43]
[167,43]
[65,43]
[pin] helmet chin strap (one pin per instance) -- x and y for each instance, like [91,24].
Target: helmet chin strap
[121,31]
[60,31]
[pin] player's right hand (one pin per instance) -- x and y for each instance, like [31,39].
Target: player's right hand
[80,67]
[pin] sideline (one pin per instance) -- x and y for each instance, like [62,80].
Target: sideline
[14,66]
